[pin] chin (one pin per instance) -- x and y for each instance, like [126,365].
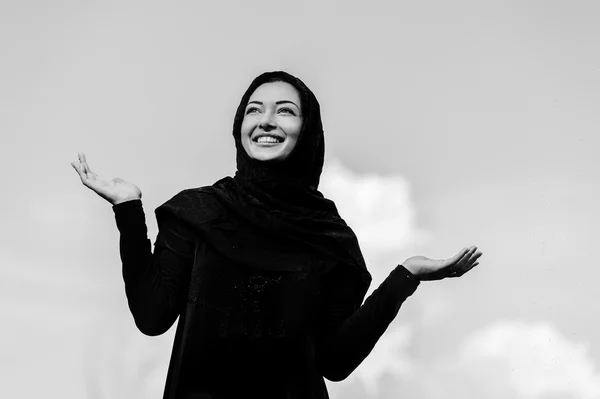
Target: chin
[268,157]
[268,154]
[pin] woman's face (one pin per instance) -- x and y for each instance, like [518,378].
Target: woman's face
[272,122]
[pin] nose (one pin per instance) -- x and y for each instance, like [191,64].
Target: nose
[266,122]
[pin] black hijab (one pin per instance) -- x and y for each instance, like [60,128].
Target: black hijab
[270,216]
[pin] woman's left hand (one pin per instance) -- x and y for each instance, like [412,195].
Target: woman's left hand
[436,269]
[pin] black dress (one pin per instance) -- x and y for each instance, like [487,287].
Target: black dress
[275,335]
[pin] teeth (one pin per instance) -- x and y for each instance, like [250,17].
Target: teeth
[267,139]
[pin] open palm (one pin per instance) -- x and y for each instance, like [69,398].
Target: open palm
[436,269]
[114,191]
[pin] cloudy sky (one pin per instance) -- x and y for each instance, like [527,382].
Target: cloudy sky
[448,124]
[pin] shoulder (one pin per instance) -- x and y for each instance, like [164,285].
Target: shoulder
[206,193]
[194,206]
[191,194]
[189,197]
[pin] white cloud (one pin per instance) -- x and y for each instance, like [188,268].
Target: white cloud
[540,360]
[504,360]
[389,357]
[378,208]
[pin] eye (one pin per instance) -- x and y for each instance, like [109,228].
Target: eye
[252,110]
[287,110]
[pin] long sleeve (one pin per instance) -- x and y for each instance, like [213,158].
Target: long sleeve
[350,334]
[155,284]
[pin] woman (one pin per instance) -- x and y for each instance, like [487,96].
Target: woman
[266,278]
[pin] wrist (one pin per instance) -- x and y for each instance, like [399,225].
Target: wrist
[410,268]
[127,205]
[120,201]
[411,278]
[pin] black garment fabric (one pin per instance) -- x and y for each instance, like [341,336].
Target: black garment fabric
[272,334]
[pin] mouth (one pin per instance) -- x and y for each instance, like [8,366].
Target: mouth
[267,139]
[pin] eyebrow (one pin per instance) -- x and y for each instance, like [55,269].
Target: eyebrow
[278,102]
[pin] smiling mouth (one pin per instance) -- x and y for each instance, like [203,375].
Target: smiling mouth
[268,139]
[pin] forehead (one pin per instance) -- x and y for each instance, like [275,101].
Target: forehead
[275,91]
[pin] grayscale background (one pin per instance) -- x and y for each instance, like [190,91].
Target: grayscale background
[447,124]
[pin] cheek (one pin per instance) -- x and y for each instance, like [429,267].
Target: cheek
[297,132]
[293,128]
[293,138]
[247,127]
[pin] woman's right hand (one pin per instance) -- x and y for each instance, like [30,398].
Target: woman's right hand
[114,191]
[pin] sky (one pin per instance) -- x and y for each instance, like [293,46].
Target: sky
[447,124]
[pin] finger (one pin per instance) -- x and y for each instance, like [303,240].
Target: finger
[467,257]
[82,176]
[80,163]
[475,256]
[76,169]
[455,268]
[85,165]
[461,254]
[83,171]
[455,259]
[79,168]
[466,263]
[469,268]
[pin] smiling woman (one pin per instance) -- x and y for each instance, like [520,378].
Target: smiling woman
[265,276]
[272,122]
